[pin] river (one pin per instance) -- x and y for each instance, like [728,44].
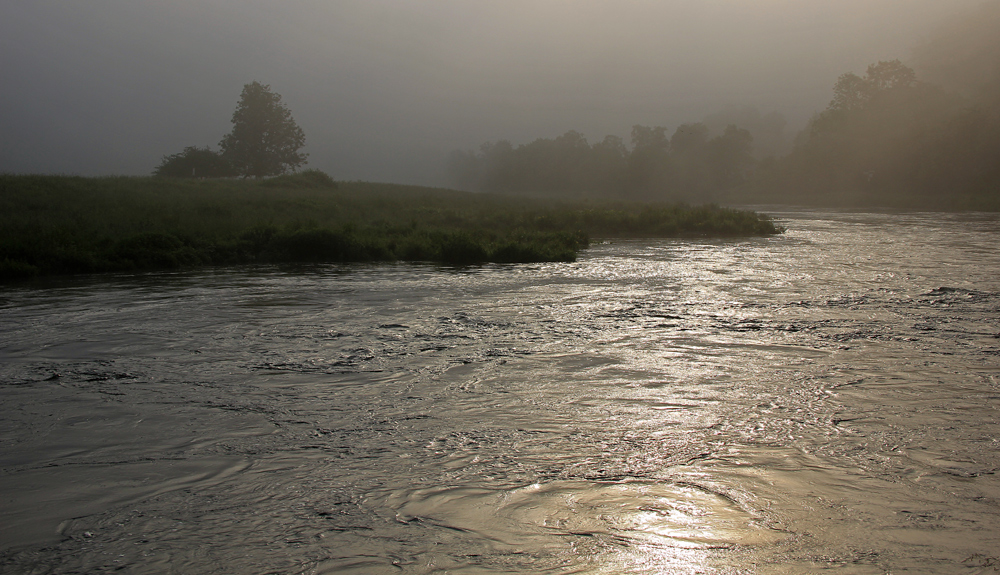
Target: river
[824,400]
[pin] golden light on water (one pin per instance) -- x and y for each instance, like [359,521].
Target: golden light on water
[672,527]
[627,526]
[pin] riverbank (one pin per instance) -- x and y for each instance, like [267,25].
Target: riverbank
[68,225]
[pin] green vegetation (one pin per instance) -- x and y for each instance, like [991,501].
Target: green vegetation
[62,225]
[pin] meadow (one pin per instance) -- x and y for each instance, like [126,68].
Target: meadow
[69,225]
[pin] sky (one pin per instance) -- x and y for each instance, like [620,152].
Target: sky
[384,89]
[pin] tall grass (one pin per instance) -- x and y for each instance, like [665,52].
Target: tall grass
[61,224]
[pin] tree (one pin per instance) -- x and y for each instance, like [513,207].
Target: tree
[648,163]
[730,157]
[194,162]
[890,75]
[265,140]
[691,178]
[852,92]
[689,138]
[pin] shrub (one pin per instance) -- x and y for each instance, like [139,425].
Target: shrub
[194,162]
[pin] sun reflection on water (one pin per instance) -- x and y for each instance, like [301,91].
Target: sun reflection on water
[622,526]
[671,527]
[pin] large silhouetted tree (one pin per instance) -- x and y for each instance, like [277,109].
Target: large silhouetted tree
[265,140]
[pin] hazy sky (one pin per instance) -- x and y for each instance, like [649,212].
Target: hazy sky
[385,88]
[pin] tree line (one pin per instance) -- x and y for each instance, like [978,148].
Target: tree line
[886,138]
[689,163]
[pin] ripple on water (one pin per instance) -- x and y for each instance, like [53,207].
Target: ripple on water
[629,523]
[56,498]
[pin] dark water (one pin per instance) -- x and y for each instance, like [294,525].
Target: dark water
[825,400]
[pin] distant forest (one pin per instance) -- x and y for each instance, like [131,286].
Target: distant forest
[887,138]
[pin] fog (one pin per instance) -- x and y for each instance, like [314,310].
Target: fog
[385,89]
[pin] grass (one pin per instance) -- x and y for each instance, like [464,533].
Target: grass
[65,225]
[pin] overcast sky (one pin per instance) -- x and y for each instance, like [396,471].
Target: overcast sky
[385,88]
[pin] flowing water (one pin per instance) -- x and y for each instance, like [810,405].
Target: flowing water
[825,400]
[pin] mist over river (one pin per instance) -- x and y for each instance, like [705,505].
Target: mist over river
[826,399]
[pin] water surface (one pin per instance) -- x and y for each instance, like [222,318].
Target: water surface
[822,400]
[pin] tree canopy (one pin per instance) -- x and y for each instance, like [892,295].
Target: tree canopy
[265,140]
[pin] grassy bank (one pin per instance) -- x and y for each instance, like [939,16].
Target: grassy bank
[64,225]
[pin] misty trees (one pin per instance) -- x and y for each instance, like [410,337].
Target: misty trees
[690,165]
[849,93]
[889,139]
[849,152]
[889,75]
[265,140]
[649,161]
[730,158]
[768,130]
[194,162]
[608,164]
[885,138]
[852,92]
